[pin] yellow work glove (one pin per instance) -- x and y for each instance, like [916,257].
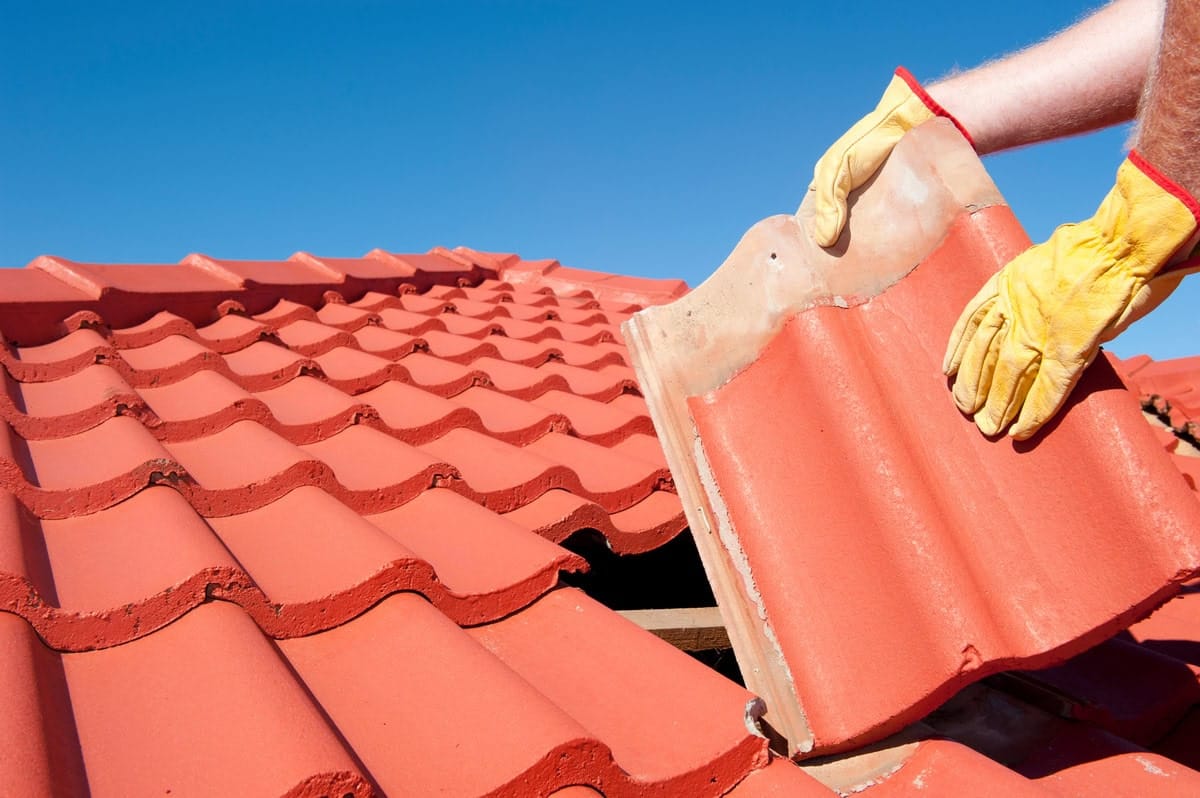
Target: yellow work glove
[1022,343]
[862,149]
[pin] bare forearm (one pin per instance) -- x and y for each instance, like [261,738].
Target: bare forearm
[1084,78]
[1169,134]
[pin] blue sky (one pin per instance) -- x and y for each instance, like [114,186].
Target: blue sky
[641,138]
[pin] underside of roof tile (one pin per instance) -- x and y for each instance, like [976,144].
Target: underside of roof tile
[883,552]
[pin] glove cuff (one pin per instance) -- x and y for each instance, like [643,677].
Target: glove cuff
[935,108]
[1165,183]
[1177,191]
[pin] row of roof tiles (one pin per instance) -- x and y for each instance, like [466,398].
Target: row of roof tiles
[346,461]
[255,546]
[400,699]
[1170,393]
[46,294]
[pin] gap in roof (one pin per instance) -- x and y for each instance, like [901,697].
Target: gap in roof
[668,577]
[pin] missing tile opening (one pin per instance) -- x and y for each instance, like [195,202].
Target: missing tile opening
[670,577]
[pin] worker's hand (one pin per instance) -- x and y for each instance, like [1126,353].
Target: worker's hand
[860,152]
[1022,343]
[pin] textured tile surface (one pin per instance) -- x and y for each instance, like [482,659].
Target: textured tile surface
[291,528]
[882,553]
[956,547]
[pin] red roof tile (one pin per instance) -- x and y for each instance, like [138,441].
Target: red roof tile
[924,555]
[166,713]
[557,514]
[1095,686]
[780,779]
[1168,378]
[1059,757]
[283,515]
[943,768]
[940,521]
[1170,394]
[95,281]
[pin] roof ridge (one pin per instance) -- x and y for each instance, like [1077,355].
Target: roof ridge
[126,295]
[61,270]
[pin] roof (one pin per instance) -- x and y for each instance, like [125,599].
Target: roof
[289,528]
[1170,394]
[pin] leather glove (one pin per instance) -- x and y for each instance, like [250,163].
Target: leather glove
[1022,343]
[859,153]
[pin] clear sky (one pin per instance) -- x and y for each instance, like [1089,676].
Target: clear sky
[641,138]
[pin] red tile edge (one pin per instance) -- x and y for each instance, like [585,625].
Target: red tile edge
[652,522]
[85,499]
[324,785]
[68,631]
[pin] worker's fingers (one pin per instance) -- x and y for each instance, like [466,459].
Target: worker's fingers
[968,322]
[859,153]
[1016,370]
[844,167]
[848,164]
[1046,396]
[831,182]
[974,378]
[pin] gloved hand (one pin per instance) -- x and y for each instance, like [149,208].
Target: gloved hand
[1022,343]
[862,149]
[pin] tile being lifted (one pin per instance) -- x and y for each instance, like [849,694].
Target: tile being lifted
[871,551]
